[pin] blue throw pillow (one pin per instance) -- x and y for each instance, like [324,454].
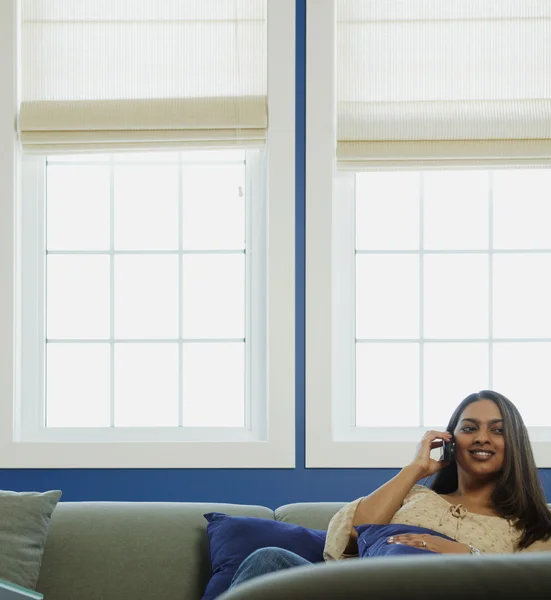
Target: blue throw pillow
[372,540]
[232,539]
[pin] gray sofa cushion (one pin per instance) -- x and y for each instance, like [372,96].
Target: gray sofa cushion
[453,577]
[24,522]
[315,515]
[130,550]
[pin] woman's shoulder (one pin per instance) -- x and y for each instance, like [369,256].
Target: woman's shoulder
[418,491]
[421,489]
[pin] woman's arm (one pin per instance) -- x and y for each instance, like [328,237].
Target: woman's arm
[380,506]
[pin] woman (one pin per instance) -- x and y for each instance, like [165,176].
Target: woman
[489,499]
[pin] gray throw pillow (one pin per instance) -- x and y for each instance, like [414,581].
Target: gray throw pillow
[24,523]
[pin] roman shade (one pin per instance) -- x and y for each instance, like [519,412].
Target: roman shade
[104,75]
[443,80]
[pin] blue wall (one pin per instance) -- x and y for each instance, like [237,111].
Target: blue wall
[269,487]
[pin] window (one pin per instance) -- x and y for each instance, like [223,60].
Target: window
[448,293]
[432,283]
[153,253]
[149,267]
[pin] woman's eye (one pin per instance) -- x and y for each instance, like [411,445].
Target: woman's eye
[467,429]
[499,431]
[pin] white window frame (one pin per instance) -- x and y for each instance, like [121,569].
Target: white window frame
[332,440]
[33,330]
[273,447]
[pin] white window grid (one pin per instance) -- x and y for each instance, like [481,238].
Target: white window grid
[345,341]
[421,252]
[180,252]
[254,340]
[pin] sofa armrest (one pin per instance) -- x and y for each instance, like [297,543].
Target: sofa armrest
[450,577]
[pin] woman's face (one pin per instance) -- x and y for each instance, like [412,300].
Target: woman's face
[479,441]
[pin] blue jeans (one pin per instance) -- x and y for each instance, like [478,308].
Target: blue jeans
[266,560]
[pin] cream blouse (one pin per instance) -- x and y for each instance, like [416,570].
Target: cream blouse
[423,507]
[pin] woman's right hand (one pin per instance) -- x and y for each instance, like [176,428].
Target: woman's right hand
[382,504]
[427,465]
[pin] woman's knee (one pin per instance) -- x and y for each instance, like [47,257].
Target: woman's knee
[275,558]
[272,553]
[266,560]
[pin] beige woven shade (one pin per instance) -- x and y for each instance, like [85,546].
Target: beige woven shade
[101,75]
[426,79]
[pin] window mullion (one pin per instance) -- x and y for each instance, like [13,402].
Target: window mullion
[344,303]
[249,319]
[491,281]
[421,298]
[112,290]
[36,246]
[180,291]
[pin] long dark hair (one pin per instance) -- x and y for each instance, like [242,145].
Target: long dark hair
[518,494]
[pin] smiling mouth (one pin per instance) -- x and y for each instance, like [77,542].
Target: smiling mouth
[481,454]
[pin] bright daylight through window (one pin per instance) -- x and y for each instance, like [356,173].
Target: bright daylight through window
[147,320]
[451,292]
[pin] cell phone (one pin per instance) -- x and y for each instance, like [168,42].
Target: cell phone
[448,450]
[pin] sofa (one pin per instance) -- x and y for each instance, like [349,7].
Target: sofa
[158,550]
[451,577]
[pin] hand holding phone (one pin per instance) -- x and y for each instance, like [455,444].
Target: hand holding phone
[448,451]
[423,461]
